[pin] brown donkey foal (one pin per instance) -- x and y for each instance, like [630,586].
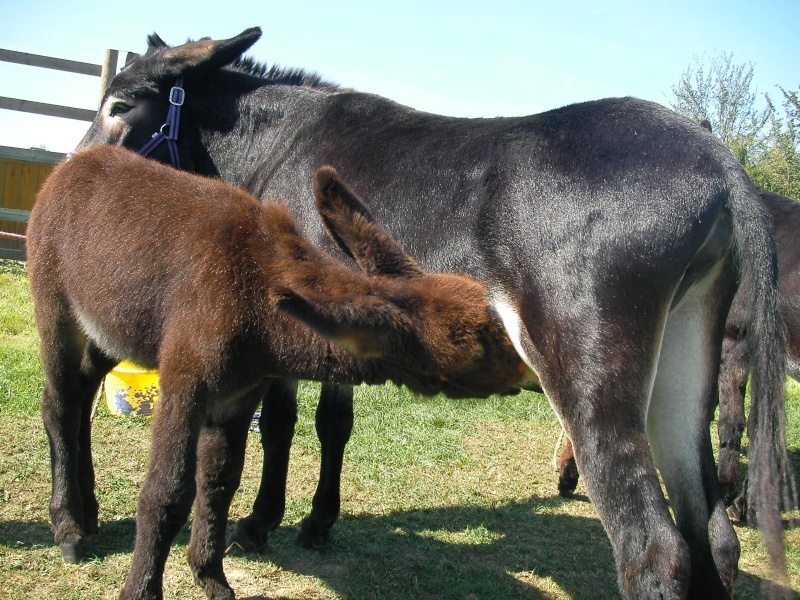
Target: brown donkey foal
[131,259]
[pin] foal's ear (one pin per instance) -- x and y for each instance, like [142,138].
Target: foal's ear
[202,55]
[350,224]
[360,324]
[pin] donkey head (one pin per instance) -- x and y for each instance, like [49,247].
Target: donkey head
[431,331]
[135,104]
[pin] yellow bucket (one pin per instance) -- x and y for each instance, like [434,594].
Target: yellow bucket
[131,389]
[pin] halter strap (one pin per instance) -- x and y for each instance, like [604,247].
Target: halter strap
[169,130]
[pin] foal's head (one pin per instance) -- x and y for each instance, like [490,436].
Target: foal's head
[432,331]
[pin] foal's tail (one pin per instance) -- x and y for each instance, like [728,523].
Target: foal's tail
[769,473]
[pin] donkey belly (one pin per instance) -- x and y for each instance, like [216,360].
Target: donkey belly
[121,340]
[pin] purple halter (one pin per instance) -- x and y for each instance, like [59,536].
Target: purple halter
[176,98]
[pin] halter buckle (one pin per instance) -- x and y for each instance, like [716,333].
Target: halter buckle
[176,95]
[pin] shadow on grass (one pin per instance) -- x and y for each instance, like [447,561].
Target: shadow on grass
[25,534]
[450,552]
[512,550]
[407,555]
[457,552]
[114,537]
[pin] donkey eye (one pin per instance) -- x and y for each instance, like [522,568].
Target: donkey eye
[119,108]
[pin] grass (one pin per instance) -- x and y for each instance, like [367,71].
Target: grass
[440,499]
[20,367]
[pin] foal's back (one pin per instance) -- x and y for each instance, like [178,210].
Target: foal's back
[133,244]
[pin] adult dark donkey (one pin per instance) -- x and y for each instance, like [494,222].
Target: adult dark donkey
[130,258]
[611,236]
[735,366]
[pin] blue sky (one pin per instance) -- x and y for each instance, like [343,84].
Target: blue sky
[464,58]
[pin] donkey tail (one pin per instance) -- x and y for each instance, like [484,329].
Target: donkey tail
[769,472]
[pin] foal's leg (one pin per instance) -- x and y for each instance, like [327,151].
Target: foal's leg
[73,370]
[276,423]
[94,366]
[62,403]
[679,416]
[730,426]
[334,422]
[169,487]
[220,459]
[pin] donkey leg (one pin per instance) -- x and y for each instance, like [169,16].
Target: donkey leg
[277,422]
[220,459]
[61,407]
[682,403]
[94,366]
[598,378]
[612,454]
[66,400]
[567,471]
[169,487]
[334,423]
[605,413]
[730,426]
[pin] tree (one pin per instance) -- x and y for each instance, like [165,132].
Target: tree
[765,142]
[778,169]
[722,95]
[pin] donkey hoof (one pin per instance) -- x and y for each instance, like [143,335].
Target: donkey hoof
[312,536]
[737,511]
[215,588]
[72,552]
[244,541]
[567,478]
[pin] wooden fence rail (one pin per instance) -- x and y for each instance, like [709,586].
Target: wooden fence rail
[23,171]
[50,110]
[105,71]
[14,214]
[50,62]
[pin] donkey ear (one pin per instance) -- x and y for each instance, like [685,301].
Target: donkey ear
[350,224]
[204,55]
[154,43]
[360,324]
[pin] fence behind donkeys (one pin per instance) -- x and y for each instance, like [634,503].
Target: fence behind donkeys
[22,171]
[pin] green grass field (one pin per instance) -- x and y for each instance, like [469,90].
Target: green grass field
[440,499]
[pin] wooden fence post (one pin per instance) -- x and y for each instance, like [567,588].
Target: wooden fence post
[109,69]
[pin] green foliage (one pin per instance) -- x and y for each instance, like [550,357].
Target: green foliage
[764,140]
[778,169]
[721,94]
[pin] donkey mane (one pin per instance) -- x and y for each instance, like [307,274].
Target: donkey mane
[250,66]
[283,75]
